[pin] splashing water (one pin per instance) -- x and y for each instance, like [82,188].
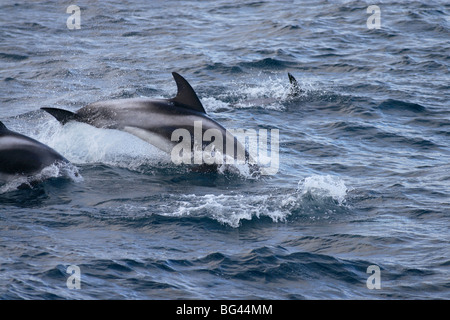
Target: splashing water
[324,186]
[84,144]
[56,170]
[232,209]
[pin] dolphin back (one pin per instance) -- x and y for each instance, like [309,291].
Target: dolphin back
[20,154]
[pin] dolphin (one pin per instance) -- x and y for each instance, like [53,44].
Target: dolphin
[24,156]
[156,120]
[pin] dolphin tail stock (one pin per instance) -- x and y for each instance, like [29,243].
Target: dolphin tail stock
[63,116]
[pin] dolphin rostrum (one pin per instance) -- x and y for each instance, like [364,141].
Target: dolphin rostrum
[164,123]
[24,156]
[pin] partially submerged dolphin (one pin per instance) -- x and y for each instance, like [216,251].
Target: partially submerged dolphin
[294,92]
[156,120]
[24,156]
[295,88]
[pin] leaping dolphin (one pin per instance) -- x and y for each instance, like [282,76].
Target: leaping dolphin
[22,155]
[155,120]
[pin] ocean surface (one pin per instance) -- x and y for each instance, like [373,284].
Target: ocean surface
[358,209]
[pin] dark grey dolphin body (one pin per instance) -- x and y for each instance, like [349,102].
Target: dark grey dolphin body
[154,120]
[22,155]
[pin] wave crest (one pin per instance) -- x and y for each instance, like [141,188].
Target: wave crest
[318,197]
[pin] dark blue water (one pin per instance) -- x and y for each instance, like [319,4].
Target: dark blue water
[364,176]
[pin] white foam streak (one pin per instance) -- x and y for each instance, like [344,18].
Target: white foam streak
[226,209]
[233,209]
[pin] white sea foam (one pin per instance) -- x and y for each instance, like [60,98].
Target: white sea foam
[56,170]
[324,186]
[212,104]
[83,144]
[233,209]
[226,209]
[268,94]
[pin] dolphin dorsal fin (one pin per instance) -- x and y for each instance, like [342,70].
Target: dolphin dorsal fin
[2,127]
[292,80]
[61,115]
[295,88]
[186,96]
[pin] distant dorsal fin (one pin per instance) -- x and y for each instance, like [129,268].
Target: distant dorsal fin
[295,88]
[2,127]
[186,96]
[292,80]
